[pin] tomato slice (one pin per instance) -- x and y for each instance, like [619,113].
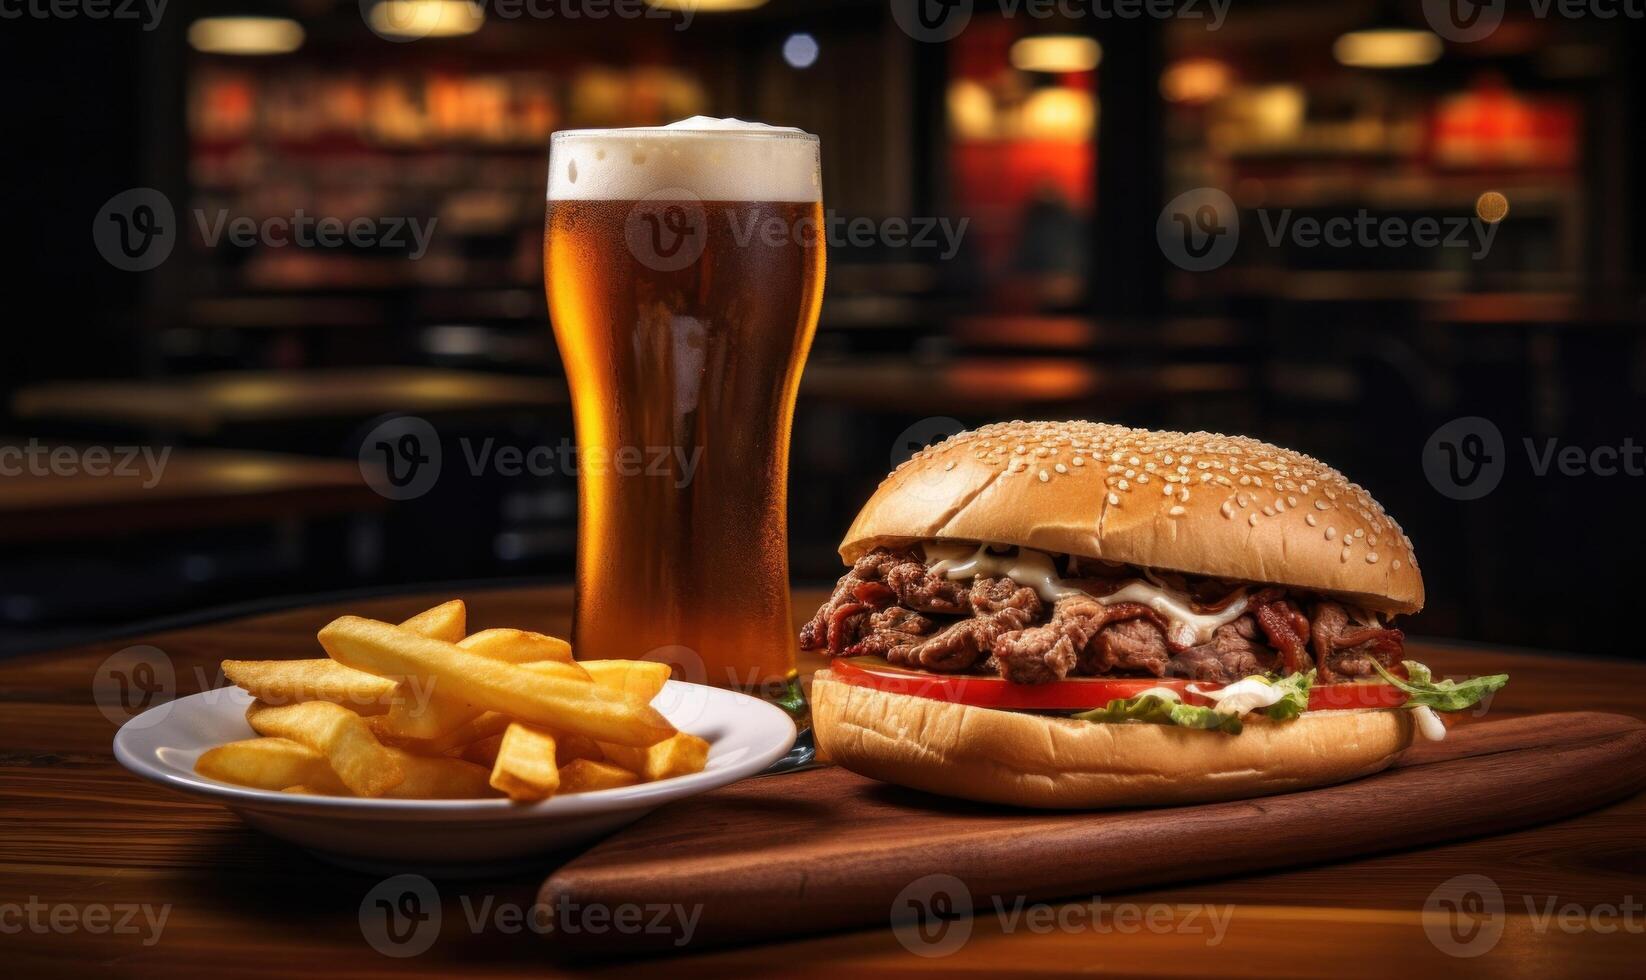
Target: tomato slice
[1075,693]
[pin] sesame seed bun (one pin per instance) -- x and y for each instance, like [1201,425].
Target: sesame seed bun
[1053,762]
[1199,503]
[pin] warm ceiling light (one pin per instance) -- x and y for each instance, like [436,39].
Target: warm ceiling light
[1393,48]
[426,18]
[1195,80]
[707,6]
[1059,114]
[245,35]
[1056,53]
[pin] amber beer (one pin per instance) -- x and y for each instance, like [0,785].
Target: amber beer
[684,270]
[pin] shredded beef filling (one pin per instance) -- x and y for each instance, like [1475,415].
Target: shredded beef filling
[892,605]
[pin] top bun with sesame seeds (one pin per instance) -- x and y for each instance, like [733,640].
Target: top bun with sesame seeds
[1198,503]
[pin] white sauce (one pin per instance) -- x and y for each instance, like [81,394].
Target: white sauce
[1242,697]
[1429,724]
[1035,570]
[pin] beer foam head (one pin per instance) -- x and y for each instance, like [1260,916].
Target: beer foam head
[712,159]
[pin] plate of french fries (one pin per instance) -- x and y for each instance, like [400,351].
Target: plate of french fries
[422,745]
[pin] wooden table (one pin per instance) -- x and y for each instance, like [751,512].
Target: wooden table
[81,835]
[119,493]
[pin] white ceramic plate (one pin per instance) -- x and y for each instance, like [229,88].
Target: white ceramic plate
[449,837]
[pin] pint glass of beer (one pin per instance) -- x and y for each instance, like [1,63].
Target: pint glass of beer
[684,270]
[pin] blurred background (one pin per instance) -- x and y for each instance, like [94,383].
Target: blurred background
[1085,209]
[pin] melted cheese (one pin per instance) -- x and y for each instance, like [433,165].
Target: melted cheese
[1035,570]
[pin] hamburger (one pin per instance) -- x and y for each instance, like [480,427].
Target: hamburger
[1071,614]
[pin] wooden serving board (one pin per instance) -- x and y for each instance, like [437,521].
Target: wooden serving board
[825,850]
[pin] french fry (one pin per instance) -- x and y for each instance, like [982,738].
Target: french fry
[525,768]
[569,746]
[584,775]
[364,766]
[641,678]
[293,681]
[678,756]
[447,621]
[560,668]
[517,646]
[554,703]
[439,778]
[408,722]
[425,715]
[484,726]
[484,751]
[269,763]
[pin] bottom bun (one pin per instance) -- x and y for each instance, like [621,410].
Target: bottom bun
[1056,762]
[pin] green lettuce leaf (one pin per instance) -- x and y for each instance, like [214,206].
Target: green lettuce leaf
[1156,710]
[1296,699]
[1445,695]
